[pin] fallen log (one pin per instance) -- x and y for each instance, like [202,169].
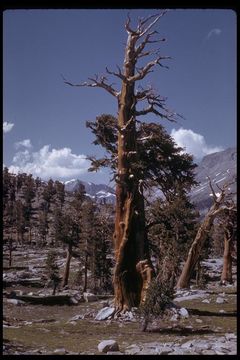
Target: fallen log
[46,300]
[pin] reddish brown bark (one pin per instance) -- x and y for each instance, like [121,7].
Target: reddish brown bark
[130,238]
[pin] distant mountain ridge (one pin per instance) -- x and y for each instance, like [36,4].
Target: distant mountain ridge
[220,167]
[99,192]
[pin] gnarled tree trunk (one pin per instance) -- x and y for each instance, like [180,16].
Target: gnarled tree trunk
[195,252]
[197,245]
[130,235]
[226,276]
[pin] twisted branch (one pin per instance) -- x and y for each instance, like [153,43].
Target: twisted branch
[96,82]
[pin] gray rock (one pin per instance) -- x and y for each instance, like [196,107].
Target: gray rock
[60,351]
[201,345]
[206,301]
[104,313]
[115,353]
[165,350]
[73,300]
[147,351]
[76,317]
[183,312]
[16,302]
[174,317]
[108,345]
[188,344]
[220,300]
[132,349]
[177,351]
[230,336]
[88,297]
[208,352]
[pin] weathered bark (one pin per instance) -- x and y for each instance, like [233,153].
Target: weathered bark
[67,266]
[130,235]
[197,245]
[226,276]
[194,252]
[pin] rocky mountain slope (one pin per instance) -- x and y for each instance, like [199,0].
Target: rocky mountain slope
[221,167]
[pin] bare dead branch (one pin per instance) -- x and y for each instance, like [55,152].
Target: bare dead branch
[219,199]
[146,69]
[152,109]
[129,30]
[144,31]
[96,82]
[119,74]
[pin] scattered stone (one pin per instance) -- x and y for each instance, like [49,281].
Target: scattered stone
[187,345]
[222,311]
[183,312]
[132,349]
[60,351]
[104,313]
[206,301]
[76,317]
[230,336]
[165,350]
[89,297]
[73,300]
[208,352]
[220,300]
[115,353]
[108,345]
[16,302]
[199,321]
[174,317]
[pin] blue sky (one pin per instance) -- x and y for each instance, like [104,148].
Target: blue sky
[44,129]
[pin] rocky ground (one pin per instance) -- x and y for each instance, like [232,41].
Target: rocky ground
[200,321]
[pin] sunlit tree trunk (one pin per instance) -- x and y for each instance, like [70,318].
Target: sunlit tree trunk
[130,238]
[67,266]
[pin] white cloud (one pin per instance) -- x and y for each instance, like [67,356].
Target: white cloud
[214,32]
[25,143]
[7,126]
[46,163]
[193,143]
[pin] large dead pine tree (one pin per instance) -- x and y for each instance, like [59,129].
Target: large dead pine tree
[133,269]
[218,206]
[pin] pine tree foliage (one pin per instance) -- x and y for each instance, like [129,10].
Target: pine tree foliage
[172,221]
[160,162]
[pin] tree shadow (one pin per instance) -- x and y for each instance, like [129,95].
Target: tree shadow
[211,313]
[179,330]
